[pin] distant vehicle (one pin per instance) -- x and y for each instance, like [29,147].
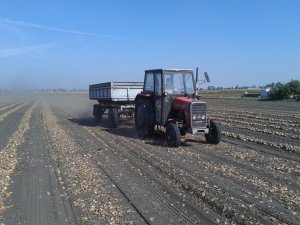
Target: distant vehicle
[265,94]
[167,98]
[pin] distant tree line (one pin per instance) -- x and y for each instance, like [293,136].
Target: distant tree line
[281,91]
[229,88]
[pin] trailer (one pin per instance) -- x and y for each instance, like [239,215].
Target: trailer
[115,97]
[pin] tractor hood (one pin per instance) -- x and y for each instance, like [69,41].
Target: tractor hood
[194,112]
[183,103]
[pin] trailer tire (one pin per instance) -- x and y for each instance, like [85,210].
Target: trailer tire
[144,118]
[214,135]
[97,113]
[98,118]
[173,135]
[113,118]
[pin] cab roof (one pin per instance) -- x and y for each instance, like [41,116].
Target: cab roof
[168,70]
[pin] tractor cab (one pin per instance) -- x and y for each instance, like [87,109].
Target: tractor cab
[166,84]
[170,82]
[169,100]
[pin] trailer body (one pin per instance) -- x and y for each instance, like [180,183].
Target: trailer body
[116,97]
[115,92]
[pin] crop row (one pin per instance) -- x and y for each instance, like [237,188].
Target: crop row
[267,114]
[9,112]
[94,196]
[283,146]
[243,116]
[8,159]
[265,131]
[274,125]
[282,127]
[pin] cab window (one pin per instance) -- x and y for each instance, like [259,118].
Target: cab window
[158,87]
[149,82]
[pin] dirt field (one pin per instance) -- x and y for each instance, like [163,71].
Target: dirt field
[57,166]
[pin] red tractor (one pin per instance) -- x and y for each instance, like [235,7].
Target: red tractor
[169,100]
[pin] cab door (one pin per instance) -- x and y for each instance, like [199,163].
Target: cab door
[167,96]
[158,97]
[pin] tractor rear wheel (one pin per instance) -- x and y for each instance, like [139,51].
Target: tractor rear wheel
[113,117]
[173,135]
[144,118]
[214,135]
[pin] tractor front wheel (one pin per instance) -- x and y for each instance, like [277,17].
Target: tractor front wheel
[183,132]
[173,135]
[214,135]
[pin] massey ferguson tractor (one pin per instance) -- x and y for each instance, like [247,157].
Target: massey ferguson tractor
[169,100]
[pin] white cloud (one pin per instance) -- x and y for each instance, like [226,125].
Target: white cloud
[62,30]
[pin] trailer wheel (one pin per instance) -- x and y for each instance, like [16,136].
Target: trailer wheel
[214,136]
[173,135]
[97,112]
[98,118]
[113,117]
[144,118]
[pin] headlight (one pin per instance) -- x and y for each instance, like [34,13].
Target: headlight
[199,117]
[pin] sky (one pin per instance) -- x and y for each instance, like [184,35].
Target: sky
[72,43]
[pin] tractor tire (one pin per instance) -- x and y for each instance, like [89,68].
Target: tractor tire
[113,118]
[214,136]
[173,135]
[98,118]
[144,118]
[182,132]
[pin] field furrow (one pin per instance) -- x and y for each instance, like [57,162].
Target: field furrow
[95,197]
[8,159]
[10,111]
[58,166]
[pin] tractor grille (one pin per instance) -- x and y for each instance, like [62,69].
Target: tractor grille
[198,115]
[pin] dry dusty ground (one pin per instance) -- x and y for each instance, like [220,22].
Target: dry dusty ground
[57,166]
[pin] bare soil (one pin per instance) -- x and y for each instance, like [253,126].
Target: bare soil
[58,166]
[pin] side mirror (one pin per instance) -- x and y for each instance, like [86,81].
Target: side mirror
[206,77]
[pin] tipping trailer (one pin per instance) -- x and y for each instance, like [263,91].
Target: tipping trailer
[115,97]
